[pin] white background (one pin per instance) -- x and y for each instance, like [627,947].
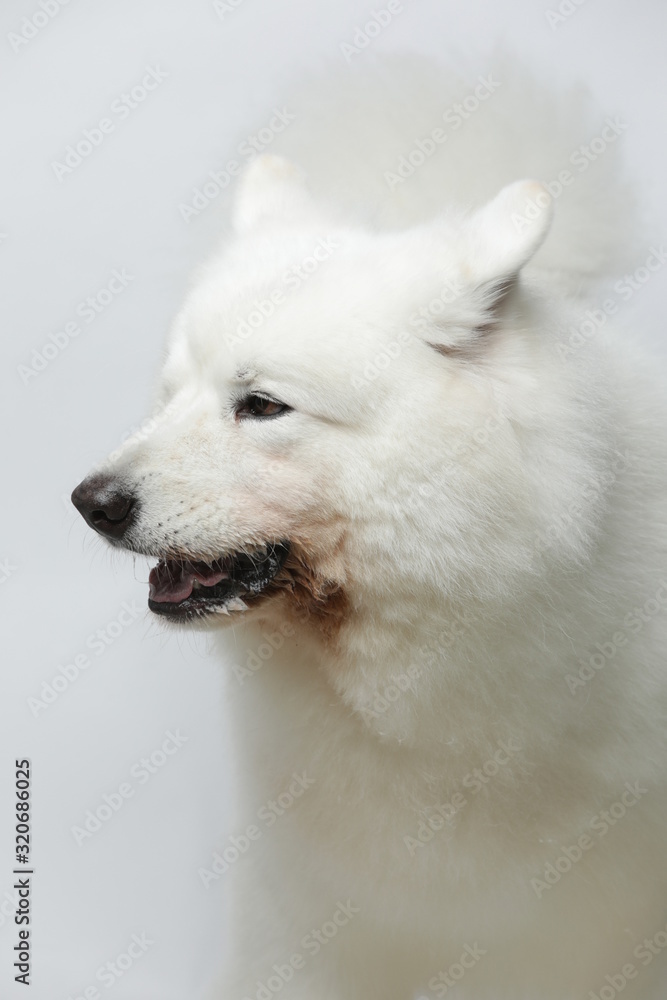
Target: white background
[60,241]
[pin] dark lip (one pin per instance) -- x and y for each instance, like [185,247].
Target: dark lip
[249,576]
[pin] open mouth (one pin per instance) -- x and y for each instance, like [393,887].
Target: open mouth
[183,589]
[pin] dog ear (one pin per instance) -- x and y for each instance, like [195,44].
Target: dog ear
[502,236]
[271,189]
[491,246]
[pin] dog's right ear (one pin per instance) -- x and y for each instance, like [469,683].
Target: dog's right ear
[271,190]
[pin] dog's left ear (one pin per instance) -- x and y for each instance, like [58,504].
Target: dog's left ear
[271,189]
[491,246]
[488,250]
[502,236]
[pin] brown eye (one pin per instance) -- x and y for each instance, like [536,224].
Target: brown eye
[261,406]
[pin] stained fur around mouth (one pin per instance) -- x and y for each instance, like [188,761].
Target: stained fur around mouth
[311,598]
[238,577]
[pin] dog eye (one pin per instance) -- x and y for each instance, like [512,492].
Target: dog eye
[255,405]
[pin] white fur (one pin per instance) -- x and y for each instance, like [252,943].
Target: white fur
[490,508]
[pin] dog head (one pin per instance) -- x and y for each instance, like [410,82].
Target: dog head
[335,413]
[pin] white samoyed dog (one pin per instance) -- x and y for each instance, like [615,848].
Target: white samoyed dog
[414,483]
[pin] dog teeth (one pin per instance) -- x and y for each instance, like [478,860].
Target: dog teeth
[235,604]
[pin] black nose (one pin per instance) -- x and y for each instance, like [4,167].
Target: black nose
[105,504]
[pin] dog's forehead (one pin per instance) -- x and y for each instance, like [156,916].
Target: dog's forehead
[278,294]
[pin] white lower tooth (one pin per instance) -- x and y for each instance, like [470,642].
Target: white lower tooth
[236,604]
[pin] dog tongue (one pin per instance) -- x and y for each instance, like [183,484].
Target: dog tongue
[172,582]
